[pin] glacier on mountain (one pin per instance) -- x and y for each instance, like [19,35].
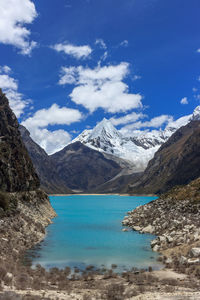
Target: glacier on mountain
[138,148]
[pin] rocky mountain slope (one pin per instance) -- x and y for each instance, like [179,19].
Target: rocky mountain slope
[175,163]
[84,168]
[138,148]
[16,169]
[50,180]
[24,208]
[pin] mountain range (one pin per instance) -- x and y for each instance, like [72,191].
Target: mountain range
[102,159]
[138,148]
[175,163]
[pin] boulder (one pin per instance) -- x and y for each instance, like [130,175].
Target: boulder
[137,228]
[169,260]
[183,260]
[195,252]
[169,239]
[162,238]
[193,261]
[154,242]
[156,248]
[148,229]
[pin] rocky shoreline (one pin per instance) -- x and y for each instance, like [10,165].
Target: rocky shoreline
[22,225]
[176,223]
[25,227]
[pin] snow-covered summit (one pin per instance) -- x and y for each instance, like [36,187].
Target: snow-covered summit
[196,114]
[104,129]
[138,148]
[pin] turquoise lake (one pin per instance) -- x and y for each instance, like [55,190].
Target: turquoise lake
[88,231]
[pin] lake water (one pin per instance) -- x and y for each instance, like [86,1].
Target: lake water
[88,231]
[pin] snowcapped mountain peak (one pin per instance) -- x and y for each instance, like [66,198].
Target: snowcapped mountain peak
[138,148]
[196,114]
[104,129]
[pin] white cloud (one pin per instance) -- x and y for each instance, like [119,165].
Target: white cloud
[101,87]
[156,122]
[5,69]
[52,141]
[101,43]
[54,115]
[130,118]
[124,43]
[76,51]
[184,101]
[198,50]
[9,86]
[194,90]
[14,14]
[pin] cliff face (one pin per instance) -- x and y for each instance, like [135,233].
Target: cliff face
[50,180]
[175,163]
[16,169]
[25,210]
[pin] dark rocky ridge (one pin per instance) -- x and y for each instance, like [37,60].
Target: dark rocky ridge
[50,180]
[84,168]
[175,163]
[16,168]
[25,210]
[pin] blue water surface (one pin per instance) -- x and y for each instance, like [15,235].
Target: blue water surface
[88,231]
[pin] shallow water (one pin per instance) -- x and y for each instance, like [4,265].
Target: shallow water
[88,231]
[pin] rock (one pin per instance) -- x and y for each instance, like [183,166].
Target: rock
[148,229]
[169,239]
[169,260]
[156,248]
[125,230]
[162,239]
[137,228]
[154,242]
[195,252]
[193,261]
[183,260]
[4,239]
[196,236]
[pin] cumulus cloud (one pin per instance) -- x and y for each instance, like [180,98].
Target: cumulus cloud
[9,86]
[184,101]
[130,118]
[78,52]
[51,141]
[101,87]
[198,50]
[14,15]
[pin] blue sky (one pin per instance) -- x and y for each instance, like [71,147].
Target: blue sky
[65,65]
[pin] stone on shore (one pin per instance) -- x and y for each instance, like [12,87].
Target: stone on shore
[195,252]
